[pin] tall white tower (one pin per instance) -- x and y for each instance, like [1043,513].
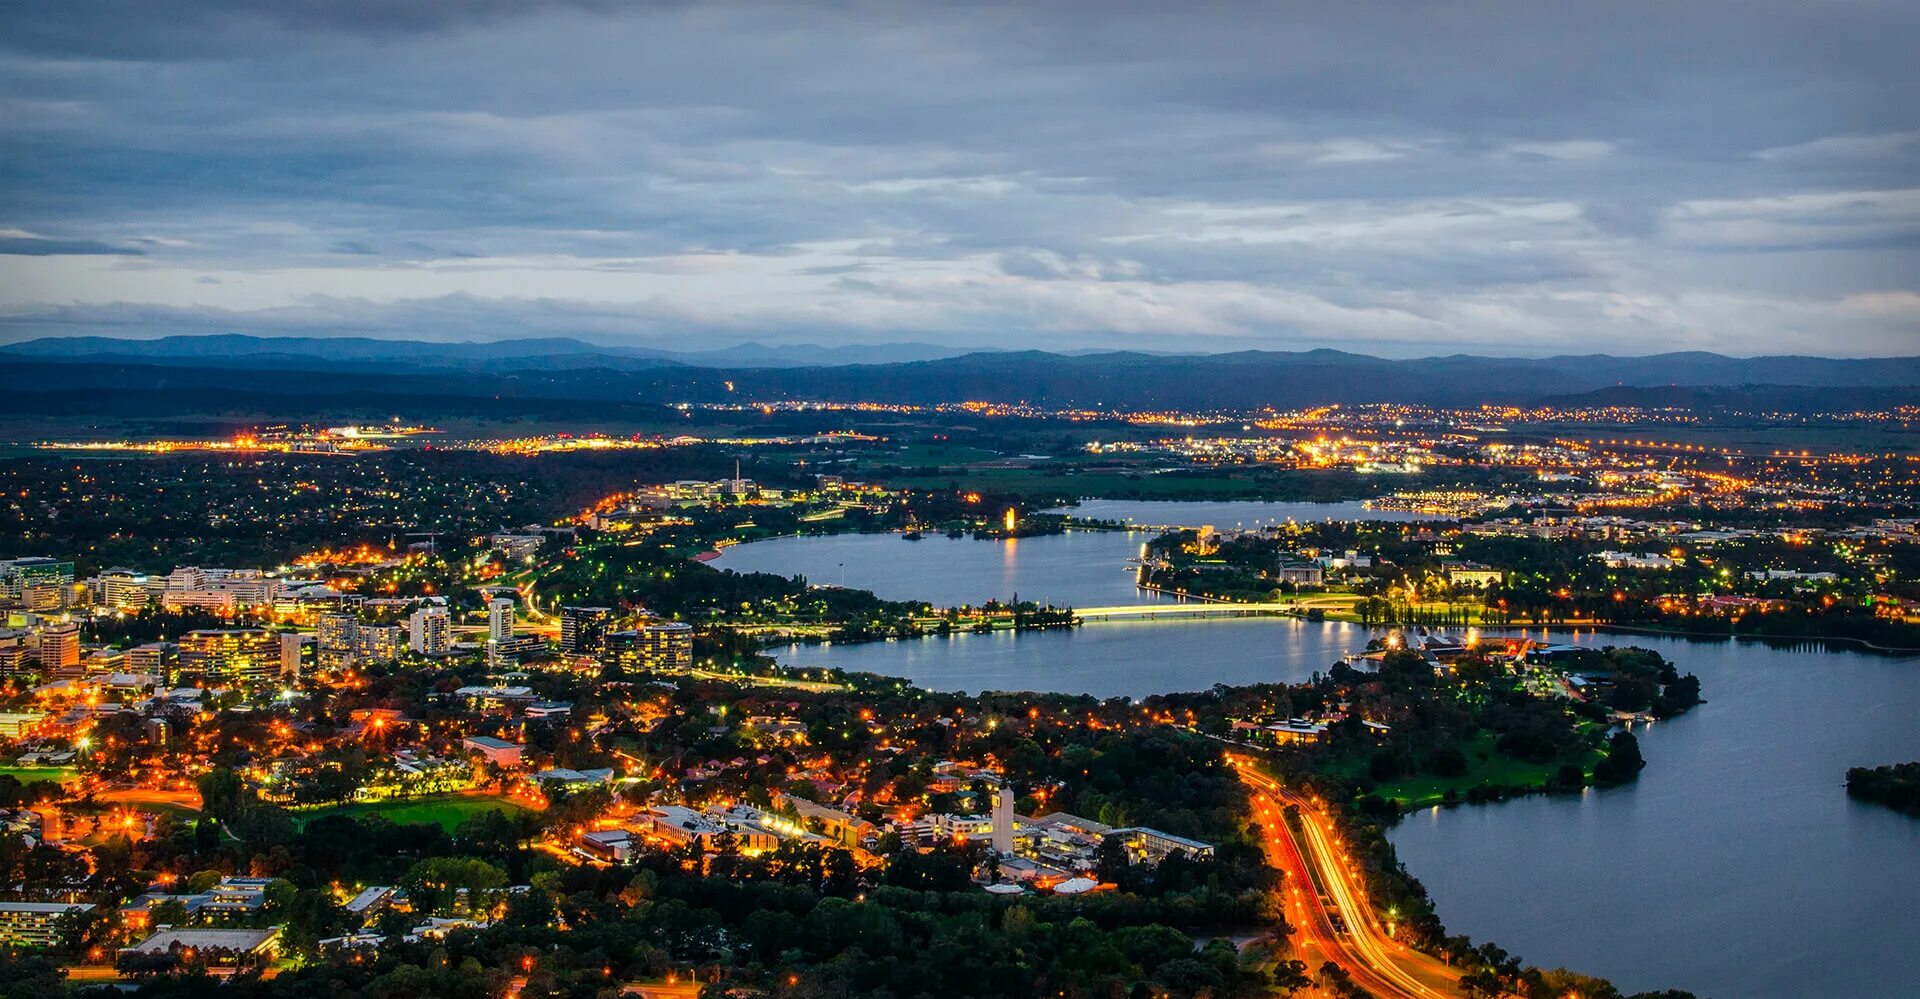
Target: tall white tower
[500,619]
[430,631]
[1003,819]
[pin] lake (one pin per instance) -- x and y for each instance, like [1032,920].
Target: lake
[1736,866]
[1117,659]
[1081,568]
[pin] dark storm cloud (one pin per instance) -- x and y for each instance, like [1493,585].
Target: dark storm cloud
[1507,176]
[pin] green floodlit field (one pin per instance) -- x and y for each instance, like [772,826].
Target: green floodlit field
[30,775]
[445,811]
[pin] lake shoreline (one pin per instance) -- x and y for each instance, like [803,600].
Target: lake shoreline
[1894,652]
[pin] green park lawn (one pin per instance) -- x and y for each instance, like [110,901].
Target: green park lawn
[1486,767]
[445,811]
[29,775]
[934,454]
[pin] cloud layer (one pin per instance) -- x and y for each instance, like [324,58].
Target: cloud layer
[1402,179]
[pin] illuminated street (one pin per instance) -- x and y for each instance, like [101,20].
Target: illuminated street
[1359,942]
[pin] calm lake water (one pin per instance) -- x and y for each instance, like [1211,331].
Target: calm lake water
[1081,568]
[1735,867]
[1128,659]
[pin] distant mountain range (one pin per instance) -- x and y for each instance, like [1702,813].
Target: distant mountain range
[238,349]
[569,369]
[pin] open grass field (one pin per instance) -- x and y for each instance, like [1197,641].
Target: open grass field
[933,454]
[445,811]
[1485,768]
[29,775]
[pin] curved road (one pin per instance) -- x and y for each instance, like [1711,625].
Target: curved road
[1318,873]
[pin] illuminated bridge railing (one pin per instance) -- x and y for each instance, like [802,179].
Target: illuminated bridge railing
[1141,612]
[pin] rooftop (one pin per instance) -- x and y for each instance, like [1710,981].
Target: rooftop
[205,939]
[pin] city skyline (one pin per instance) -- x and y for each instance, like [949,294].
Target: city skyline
[1472,178]
[826,498]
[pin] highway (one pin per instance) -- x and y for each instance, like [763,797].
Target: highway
[1327,903]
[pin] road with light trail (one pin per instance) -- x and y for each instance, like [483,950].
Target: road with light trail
[1318,873]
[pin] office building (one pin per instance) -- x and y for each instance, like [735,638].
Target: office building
[517,546]
[17,574]
[104,661]
[122,589]
[41,596]
[659,646]
[17,724]
[153,658]
[59,647]
[34,924]
[15,658]
[220,590]
[514,650]
[583,630]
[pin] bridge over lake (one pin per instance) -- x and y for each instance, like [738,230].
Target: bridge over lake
[1188,611]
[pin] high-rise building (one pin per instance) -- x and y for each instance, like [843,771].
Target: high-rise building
[500,618]
[231,655]
[380,643]
[583,630]
[659,646]
[293,654]
[338,639]
[430,631]
[59,646]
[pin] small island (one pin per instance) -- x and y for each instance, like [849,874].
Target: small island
[1896,786]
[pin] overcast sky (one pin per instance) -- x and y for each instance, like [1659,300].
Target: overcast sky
[1402,179]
